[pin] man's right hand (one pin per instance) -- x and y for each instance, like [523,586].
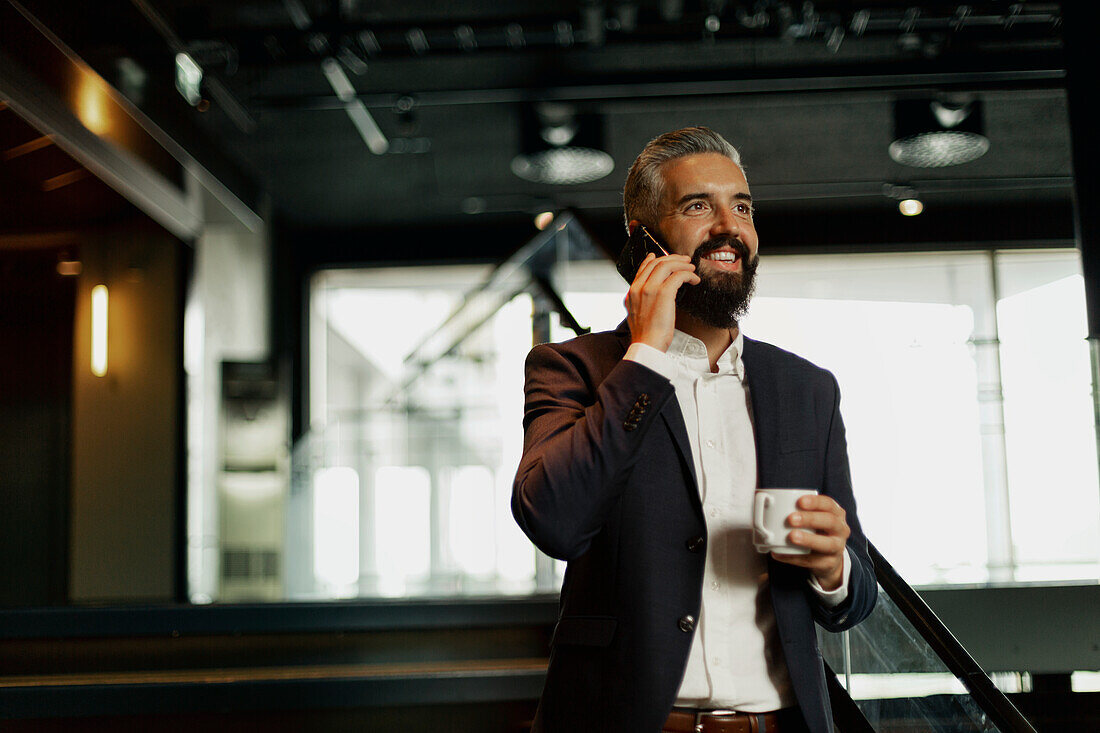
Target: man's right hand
[651,300]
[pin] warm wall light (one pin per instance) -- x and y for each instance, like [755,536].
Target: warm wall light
[99,330]
[69,268]
[92,104]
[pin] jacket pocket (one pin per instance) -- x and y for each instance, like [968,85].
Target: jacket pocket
[584,630]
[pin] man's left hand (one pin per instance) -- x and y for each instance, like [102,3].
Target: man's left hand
[820,525]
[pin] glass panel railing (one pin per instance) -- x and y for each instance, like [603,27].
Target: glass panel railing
[906,672]
[897,680]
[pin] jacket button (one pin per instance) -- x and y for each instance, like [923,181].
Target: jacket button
[687,623]
[695,544]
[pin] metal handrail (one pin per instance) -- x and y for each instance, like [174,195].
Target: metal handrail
[991,700]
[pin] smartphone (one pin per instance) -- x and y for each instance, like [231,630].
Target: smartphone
[640,244]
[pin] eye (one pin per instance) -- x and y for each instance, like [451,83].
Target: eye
[743,209]
[695,206]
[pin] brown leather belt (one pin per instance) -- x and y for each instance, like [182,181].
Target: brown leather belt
[729,721]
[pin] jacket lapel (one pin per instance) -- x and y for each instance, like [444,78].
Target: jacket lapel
[674,421]
[763,387]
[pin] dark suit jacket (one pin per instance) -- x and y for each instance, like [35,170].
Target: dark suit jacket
[606,482]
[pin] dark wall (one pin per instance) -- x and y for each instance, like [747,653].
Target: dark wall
[90,467]
[36,325]
[126,481]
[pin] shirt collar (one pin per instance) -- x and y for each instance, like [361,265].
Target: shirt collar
[692,353]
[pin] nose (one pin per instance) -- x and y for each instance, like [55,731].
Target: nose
[725,223]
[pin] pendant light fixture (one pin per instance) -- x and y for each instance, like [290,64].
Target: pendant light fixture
[936,133]
[560,146]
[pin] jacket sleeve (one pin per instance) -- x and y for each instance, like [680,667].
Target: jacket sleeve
[580,442]
[862,585]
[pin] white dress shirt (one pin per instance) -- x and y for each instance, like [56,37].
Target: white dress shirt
[736,660]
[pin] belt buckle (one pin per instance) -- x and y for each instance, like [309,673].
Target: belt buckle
[719,713]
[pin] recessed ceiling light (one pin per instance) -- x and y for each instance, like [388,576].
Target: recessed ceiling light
[910,207]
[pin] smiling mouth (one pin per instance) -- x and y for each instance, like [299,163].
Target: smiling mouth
[723,261]
[723,256]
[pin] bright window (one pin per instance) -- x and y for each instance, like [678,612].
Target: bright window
[966,394]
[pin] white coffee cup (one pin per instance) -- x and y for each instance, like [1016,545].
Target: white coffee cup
[770,510]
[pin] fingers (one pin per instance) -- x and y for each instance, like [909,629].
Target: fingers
[819,503]
[822,544]
[663,278]
[820,526]
[825,556]
[654,270]
[651,300]
[826,522]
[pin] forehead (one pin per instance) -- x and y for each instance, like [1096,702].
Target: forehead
[702,173]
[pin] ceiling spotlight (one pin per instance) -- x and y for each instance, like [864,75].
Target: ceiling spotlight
[368,129]
[910,207]
[543,220]
[931,133]
[188,79]
[561,147]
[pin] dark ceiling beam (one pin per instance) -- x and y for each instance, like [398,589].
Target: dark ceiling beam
[969,80]
[26,148]
[820,23]
[130,175]
[856,193]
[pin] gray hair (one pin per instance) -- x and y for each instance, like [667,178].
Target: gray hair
[643,189]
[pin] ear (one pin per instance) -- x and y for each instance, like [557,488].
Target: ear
[632,225]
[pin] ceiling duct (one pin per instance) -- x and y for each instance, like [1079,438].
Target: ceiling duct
[936,133]
[561,147]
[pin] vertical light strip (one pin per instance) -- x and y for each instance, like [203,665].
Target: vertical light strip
[99,330]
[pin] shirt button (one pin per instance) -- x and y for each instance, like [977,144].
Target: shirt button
[715,585]
[710,443]
[714,512]
[687,624]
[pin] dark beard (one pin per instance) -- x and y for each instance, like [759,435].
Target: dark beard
[722,297]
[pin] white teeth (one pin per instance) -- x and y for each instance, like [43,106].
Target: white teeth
[722,256]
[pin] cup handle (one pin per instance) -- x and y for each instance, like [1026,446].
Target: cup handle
[763,501]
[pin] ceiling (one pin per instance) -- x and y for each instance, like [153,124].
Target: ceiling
[804,89]
[42,186]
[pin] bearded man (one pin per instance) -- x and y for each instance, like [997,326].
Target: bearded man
[642,451]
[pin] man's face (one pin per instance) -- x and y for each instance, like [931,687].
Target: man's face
[706,213]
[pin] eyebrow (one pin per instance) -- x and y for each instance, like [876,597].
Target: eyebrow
[702,195]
